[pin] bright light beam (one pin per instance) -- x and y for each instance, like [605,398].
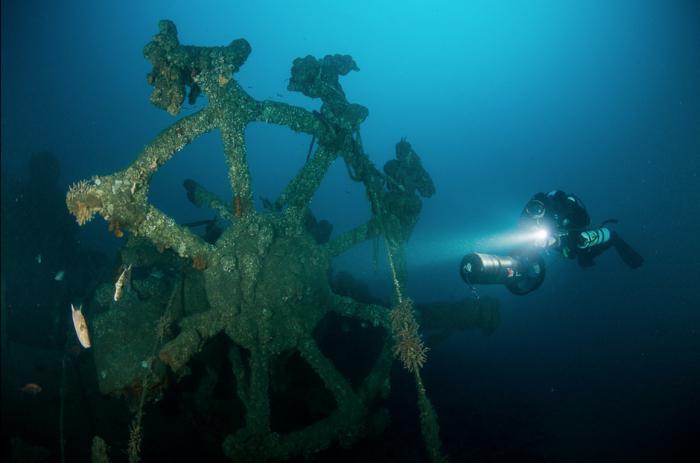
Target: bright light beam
[451,247]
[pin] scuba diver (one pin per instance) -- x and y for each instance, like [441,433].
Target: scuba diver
[555,221]
[566,220]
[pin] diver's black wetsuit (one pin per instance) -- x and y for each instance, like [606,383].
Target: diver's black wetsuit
[565,216]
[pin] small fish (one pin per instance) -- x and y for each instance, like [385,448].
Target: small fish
[80,325]
[59,276]
[30,389]
[38,258]
[121,281]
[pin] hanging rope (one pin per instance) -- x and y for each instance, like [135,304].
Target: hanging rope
[409,347]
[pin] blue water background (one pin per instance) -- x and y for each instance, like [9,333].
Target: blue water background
[501,100]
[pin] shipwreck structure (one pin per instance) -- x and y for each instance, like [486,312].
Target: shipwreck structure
[264,282]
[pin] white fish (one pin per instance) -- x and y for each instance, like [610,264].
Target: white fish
[38,258]
[80,326]
[121,281]
[59,276]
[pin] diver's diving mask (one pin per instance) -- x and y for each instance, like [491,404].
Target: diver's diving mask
[535,209]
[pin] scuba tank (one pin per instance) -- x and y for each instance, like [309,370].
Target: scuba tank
[591,238]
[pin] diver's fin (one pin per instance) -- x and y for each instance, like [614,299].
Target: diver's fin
[628,255]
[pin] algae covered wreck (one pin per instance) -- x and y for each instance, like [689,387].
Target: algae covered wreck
[263,283]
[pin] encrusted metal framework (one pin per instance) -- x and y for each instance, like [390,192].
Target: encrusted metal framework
[266,278]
